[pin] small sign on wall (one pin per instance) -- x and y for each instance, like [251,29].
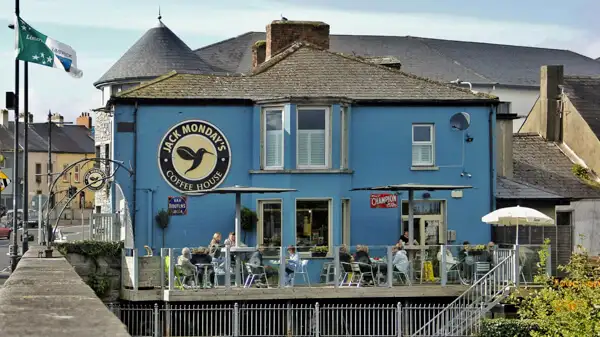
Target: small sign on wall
[178,205]
[385,200]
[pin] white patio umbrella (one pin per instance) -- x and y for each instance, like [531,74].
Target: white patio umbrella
[515,216]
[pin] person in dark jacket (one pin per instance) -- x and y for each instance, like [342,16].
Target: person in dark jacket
[362,257]
[203,262]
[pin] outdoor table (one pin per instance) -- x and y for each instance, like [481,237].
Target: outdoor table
[205,266]
[238,261]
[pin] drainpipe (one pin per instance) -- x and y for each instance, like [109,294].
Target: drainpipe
[134,199]
[150,219]
[491,159]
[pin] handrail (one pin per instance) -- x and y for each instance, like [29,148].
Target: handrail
[484,293]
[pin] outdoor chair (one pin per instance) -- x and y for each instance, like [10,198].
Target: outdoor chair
[481,268]
[346,274]
[255,273]
[301,269]
[219,269]
[359,274]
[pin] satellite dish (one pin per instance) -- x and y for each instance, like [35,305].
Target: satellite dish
[460,121]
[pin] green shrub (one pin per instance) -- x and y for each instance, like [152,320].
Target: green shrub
[503,327]
[91,249]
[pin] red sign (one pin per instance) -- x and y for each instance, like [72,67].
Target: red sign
[386,200]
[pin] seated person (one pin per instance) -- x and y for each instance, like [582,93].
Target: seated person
[187,268]
[203,261]
[256,260]
[489,254]
[362,257]
[466,261]
[404,238]
[344,255]
[450,260]
[400,260]
[291,264]
[214,247]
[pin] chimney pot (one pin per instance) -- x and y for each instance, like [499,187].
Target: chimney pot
[281,34]
[85,119]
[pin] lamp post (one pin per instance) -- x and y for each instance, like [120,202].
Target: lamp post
[15,176]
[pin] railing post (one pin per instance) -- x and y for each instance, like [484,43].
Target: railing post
[163,254]
[156,321]
[549,262]
[171,270]
[517,271]
[136,272]
[227,267]
[336,266]
[399,319]
[317,320]
[281,267]
[236,320]
[443,267]
[390,266]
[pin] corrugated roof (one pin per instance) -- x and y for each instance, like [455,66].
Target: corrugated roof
[441,60]
[304,70]
[156,53]
[584,94]
[543,164]
[65,139]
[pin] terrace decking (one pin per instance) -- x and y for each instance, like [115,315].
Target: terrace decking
[298,292]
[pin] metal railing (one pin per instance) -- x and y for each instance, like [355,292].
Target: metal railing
[105,227]
[267,320]
[485,292]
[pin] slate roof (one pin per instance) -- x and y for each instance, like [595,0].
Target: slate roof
[304,70]
[65,139]
[507,188]
[584,94]
[543,164]
[443,60]
[156,53]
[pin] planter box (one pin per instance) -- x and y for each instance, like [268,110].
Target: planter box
[319,254]
[148,272]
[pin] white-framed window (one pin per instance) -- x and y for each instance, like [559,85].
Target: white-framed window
[273,138]
[65,177]
[38,172]
[76,173]
[344,146]
[423,142]
[312,137]
[313,224]
[269,225]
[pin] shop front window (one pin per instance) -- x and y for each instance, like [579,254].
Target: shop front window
[312,223]
[270,223]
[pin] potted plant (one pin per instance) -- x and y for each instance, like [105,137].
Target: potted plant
[477,250]
[319,251]
[162,220]
[248,221]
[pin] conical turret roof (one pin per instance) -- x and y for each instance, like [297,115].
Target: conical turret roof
[156,53]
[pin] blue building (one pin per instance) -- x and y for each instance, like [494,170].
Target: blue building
[312,120]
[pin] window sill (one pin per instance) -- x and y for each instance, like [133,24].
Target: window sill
[424,168]
[304,171]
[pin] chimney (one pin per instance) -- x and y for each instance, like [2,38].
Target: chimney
[58,119]
[259,50]
[22,117]
[282,33]
[504,140]
[550,118]
[85,119]
[4,117]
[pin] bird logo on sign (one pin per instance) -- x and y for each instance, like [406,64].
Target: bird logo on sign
[4,181]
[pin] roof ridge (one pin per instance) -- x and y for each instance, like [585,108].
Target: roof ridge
[226,40]
[421,40]
[294,47]
[148,83]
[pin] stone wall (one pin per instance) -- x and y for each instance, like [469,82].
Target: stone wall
[103,137]
[102,271]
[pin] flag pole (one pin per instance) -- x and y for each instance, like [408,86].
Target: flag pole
[15,174]
[25,238]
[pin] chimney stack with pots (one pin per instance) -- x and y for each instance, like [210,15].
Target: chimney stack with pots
[551,77]
[85,119]
[4,117]
[282,33]
[22,117]
[259,52]
[57,119]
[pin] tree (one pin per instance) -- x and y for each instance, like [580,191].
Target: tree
[564,308]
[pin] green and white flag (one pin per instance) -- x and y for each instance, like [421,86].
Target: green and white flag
[35,47]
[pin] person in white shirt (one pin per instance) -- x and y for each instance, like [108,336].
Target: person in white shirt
[400,260]
[291,264]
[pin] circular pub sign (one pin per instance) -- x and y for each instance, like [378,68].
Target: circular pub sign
[194,155]
[94,179]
